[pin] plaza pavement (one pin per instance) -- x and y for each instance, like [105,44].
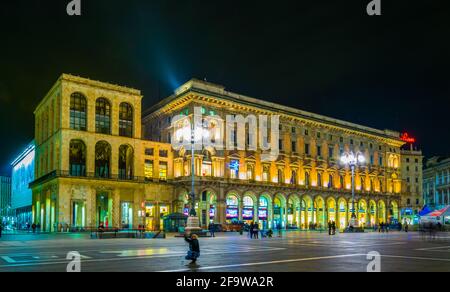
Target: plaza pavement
[229,252]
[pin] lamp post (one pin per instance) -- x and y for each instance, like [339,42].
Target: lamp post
[353,160]
[196,134]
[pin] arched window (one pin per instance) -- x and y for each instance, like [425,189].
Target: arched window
[126,159]
[126,120]
[77,158]
[78,110]
[319,180]
[103,116]
[102,160]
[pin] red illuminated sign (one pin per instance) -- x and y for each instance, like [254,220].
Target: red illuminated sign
[405,138]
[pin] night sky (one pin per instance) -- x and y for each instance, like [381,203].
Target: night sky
[327,57]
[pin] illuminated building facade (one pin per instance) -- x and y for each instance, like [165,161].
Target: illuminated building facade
[412,190]
[92,166]
[21,195]
[6,213]
[436,182]
[99,161]
[305,186]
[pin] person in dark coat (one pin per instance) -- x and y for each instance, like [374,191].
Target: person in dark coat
[212,230]
[330,224]
[1,229]
[333,228]
[194,248]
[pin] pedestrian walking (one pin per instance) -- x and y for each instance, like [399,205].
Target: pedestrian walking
[256,230]
[333,228]
[212,230]
[34,227]
[279,230]
[194,248]
[1,229]
[329,227]
[406,227]
[250,230]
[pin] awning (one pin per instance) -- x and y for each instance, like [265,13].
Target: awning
[440,213]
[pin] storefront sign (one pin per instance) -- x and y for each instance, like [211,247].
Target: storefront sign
[262,214]
[247,214]
[232,213]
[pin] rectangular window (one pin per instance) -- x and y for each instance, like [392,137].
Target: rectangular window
[148,169]
[318,135]
[293,130]
[280,144]
[380,161]
[306,132]
[319,150]
[307,149]
[163,153]
[163,170]
[341,139]
[331,152]
[294,146]
[371,160]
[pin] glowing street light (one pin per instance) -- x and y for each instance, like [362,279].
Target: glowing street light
[194,134]
[353,160]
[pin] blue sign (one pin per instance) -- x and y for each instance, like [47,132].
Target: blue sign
[234,165]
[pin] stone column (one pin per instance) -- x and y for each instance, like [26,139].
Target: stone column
[116,209]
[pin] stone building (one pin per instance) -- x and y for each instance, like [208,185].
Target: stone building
[305,184]
[436,182]
[5,200]
[99,161]
[412,190]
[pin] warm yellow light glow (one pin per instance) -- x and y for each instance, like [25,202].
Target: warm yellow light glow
[258,178]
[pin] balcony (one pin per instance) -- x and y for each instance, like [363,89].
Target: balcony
[93,176]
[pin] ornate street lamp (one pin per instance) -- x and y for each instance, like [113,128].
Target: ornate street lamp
[353,160]
[196,134]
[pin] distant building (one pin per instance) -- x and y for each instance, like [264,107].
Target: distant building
[436,182]
[22,176]
[412,189]
[5,200]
